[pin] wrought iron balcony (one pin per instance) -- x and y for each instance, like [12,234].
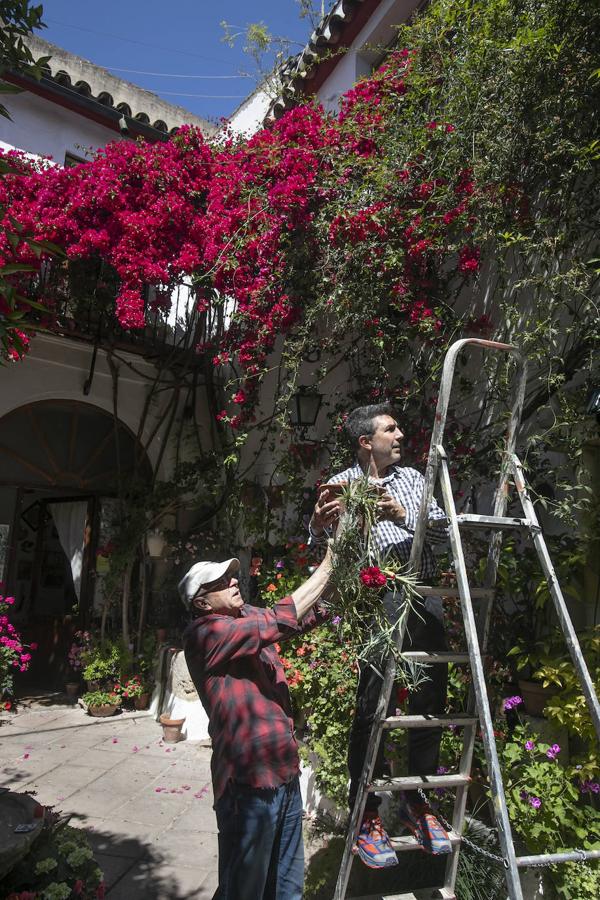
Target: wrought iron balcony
[80,298]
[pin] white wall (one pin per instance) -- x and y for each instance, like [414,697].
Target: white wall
[56,368]
[46,129]
[249,117]
[363,53]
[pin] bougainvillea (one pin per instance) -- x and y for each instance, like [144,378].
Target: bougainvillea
[230,215]
[14,653]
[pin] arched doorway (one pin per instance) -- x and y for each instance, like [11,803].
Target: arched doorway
[60,466]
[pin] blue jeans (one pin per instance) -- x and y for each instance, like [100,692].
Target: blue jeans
[261,853]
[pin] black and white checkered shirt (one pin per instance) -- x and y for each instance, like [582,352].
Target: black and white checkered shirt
[406,486]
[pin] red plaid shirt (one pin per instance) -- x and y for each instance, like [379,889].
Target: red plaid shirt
[242,686]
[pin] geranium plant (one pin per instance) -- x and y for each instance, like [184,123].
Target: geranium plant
[133,687]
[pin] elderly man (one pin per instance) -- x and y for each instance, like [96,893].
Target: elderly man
[376,440]
[229,650]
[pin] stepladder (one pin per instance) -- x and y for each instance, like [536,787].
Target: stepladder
[476,609]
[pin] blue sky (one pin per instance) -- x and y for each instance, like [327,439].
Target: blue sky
[176,38]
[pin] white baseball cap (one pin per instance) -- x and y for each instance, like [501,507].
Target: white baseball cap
[202,573]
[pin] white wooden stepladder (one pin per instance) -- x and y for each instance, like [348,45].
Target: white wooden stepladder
[476,631]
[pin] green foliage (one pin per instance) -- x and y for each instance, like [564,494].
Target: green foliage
[361,577]
[19,19]
[106,661]
[548,812]
[322,675]
[101,698]
[60,865]
[551,665]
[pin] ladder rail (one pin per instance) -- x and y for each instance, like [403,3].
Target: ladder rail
[479,685]
[558,599]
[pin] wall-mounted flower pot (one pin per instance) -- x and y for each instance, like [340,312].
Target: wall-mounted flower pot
[161,635]
[171,729]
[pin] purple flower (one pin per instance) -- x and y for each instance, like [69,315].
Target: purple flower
[279,564]
[530,745]
[441,770]
[589,787]
[511,702]
[336,620]
[553,751]
[535,802]
[524,795]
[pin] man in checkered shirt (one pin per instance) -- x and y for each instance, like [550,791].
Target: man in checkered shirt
[230,652]
[376,438]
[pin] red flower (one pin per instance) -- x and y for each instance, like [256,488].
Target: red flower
[468,260]
[373,577]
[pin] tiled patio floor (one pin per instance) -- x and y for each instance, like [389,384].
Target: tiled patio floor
[146,805]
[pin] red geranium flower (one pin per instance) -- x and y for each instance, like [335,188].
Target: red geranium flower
[373,577]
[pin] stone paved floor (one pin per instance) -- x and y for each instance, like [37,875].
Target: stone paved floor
[146,805]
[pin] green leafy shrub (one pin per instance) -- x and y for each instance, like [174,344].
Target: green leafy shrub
[106,662]
[101,698]
[60,865]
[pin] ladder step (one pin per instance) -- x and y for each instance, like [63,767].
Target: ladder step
[428,721]
[412,782]
[547,859]
[442,893]
[440,590]
[498,523]
[408,842]
[433,657]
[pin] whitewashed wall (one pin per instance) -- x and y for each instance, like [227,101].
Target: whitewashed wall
[46,129]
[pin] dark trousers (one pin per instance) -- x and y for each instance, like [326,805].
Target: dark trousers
[424,632]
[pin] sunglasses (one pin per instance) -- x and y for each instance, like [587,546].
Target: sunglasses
[220,584]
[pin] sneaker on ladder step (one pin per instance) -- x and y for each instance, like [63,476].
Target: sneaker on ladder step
[426,827]
[373,844]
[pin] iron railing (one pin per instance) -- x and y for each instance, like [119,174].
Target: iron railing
[80,298]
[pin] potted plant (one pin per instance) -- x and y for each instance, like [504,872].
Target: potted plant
[137,691]
[104,663]
[101,703]
[171,728]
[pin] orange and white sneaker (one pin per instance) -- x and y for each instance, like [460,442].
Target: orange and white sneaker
[426,827]
[373,844]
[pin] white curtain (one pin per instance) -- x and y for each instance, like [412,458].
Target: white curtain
[70,519]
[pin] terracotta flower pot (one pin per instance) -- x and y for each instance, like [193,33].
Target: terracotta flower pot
[171,729]
[106,709]
[161,635]
[71,690]
[535,696]
[142,702]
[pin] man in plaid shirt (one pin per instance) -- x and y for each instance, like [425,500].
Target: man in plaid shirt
[376,439]
[230,653]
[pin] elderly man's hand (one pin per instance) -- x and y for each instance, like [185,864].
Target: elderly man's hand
[390,510]
[326,512]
